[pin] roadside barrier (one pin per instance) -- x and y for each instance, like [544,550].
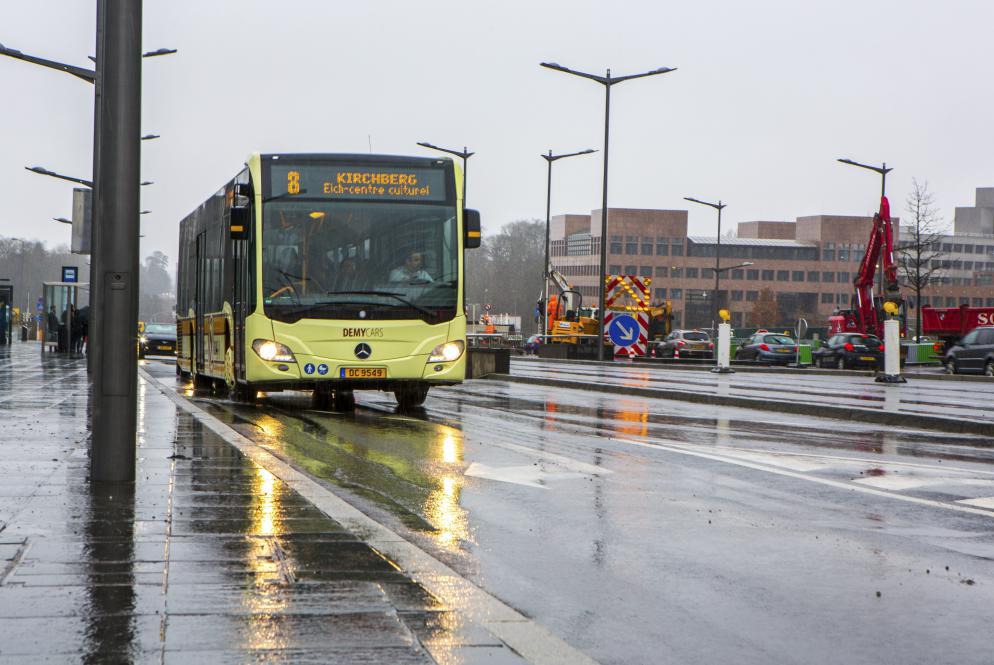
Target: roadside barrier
[921,354]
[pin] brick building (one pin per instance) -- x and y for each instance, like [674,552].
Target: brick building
[809,263]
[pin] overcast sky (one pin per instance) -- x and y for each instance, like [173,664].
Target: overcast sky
[767,96]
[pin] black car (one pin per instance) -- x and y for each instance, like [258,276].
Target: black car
[768,348]
[684,344]
[159,339]
[849,350]
[972,354]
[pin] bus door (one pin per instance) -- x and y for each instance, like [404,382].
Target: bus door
[242,286]
[199,330]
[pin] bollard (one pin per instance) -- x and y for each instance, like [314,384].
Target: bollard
[892,353]
[723,348]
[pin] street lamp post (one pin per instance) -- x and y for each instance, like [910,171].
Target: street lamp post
[607,81]
[883,171]
[91,76]
[464,154]
[114,421]
[719,206]
[548,217]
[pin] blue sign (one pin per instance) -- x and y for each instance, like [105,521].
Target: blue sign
[322,369]
[309,368]
[623,330]
[70,274]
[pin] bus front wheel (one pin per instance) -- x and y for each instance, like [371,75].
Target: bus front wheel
[409,397]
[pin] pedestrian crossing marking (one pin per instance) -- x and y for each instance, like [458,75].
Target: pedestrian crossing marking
[980,502]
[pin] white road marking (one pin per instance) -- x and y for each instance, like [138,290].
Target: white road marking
[803,476]
[529,639]
[528,475]
[980,502]
[898,483]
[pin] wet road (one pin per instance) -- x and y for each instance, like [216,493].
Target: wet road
[921,395]
[652,531]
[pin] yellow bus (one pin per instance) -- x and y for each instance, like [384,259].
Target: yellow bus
[329,273]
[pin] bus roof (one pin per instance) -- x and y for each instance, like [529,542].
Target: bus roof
[354,158]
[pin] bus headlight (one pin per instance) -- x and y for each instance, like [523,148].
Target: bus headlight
[273,351]
[446,353]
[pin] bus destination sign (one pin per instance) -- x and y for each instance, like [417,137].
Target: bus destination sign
[341,181]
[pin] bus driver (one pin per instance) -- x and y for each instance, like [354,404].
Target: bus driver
[412,271]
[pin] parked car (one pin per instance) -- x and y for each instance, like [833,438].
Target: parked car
[849,350]
[684,344]
[159,339]
[768,348]
[972,354]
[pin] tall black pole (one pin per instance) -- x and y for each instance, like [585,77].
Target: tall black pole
[547,267]
[95,319]
[465,168]
[114,424]
[717,272]
[602,278]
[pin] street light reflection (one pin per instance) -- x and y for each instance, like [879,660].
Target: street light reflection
[632,418]
[272,429]
[450,449]
[442,507]
[265,513]
[268,601]
[446,515]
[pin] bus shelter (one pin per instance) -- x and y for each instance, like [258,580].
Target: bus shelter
[59,314]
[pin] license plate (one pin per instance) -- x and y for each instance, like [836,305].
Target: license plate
[783,350]
[867,358]
[363,373]
[164,348]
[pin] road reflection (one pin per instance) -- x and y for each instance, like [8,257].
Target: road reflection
[109,557]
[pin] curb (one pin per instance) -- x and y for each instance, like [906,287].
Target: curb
[694,365]
[920,421]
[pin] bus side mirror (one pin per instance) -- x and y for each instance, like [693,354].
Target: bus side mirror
[239,224]
[241,211]
[471,224]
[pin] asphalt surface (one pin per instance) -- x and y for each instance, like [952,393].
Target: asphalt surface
[655,531]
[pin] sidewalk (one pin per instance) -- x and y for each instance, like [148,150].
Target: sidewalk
[208,558]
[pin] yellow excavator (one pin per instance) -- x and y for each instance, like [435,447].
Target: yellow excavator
[660,321]
[566,316]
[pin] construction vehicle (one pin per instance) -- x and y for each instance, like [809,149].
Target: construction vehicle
[660,321]
[948,324]
[567,320]
[868,312]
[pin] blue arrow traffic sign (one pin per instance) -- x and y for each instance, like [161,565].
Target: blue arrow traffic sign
[623,330]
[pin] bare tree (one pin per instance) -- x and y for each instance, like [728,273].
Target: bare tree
[506,271]
[764,310]
[920,252]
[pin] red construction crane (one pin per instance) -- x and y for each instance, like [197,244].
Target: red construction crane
[867,313]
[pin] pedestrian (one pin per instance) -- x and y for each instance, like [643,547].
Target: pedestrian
[3,322]
[64,330]
[84,328]
[52,326]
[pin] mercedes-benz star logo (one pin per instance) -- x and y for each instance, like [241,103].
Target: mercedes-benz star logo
[362,351]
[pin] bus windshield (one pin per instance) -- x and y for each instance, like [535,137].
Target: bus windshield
[347,260]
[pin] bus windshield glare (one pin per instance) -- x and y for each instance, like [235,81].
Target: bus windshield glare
[351,259]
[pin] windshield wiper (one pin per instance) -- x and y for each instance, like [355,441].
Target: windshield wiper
[398,296]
